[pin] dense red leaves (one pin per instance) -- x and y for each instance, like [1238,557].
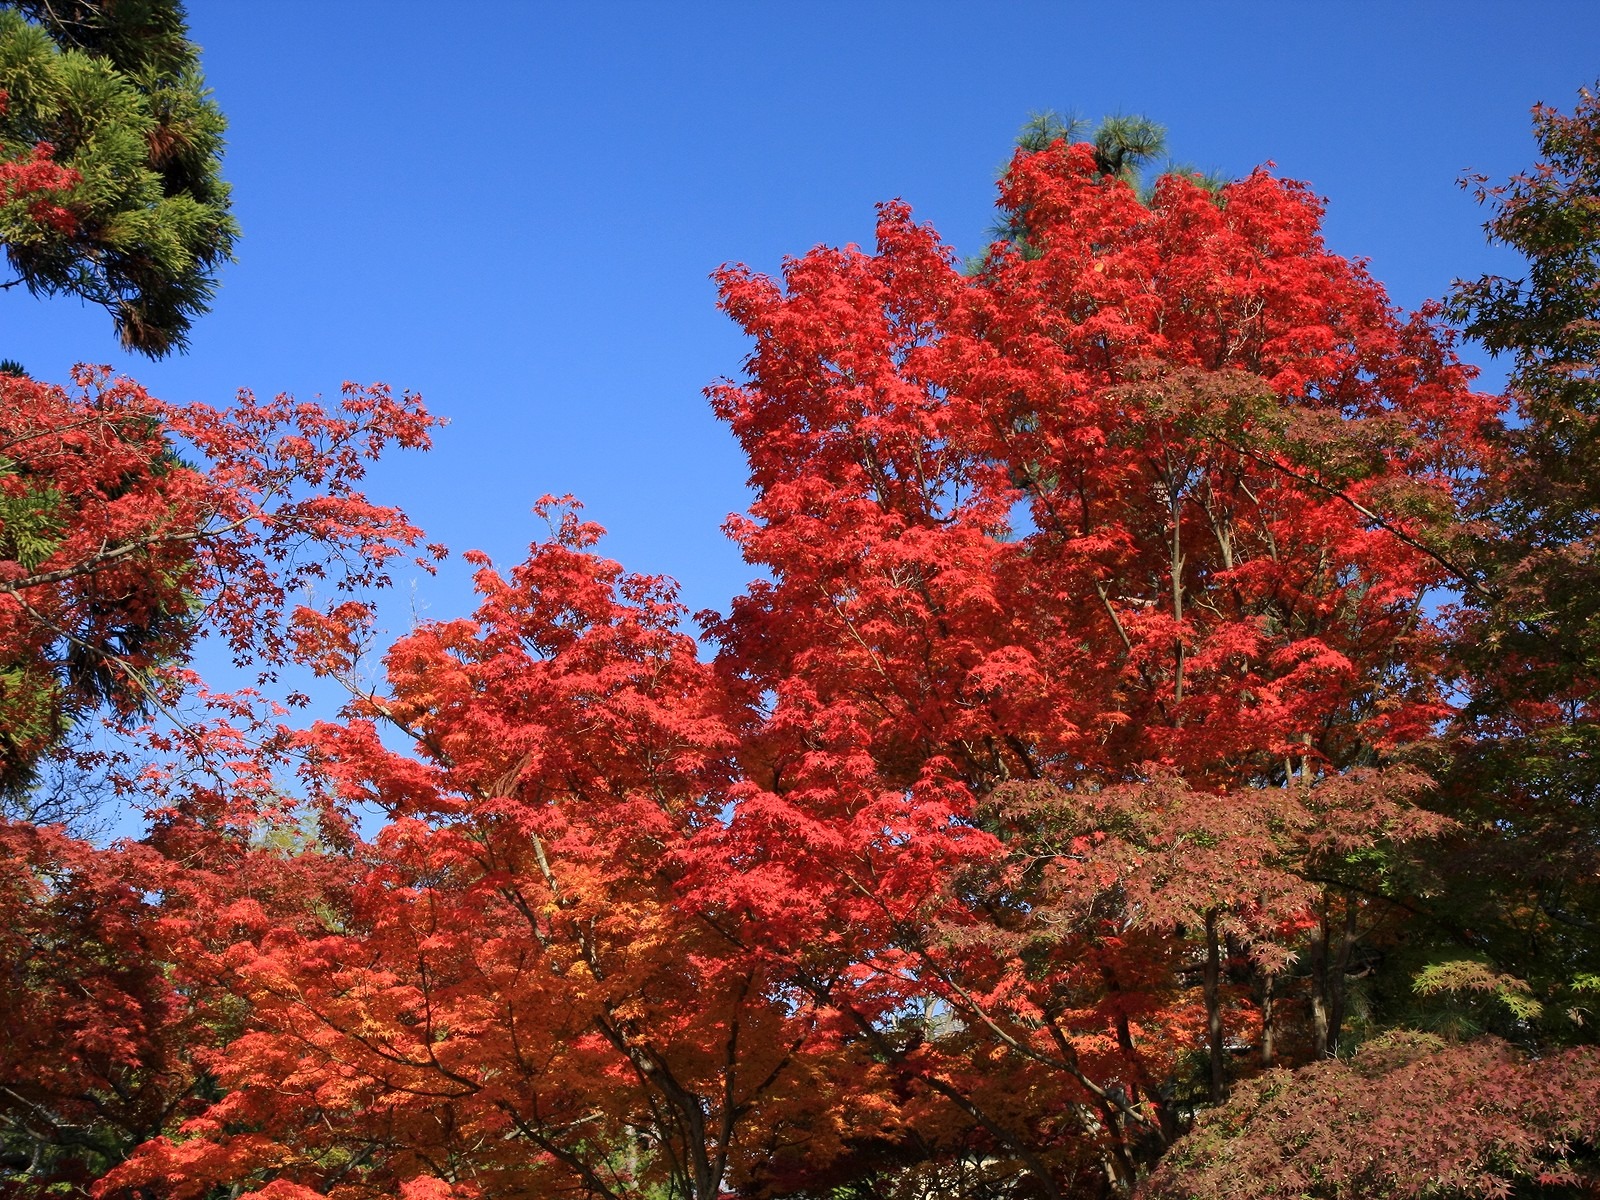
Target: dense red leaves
[93,1060]
[1160,500]
[1150,388]
[116,1000]
[1052,776]
[519,988]
[1409,1115]
[31,184]
[30,188]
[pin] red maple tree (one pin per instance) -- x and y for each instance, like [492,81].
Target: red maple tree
[519,990]
[1067,766]
[1087,571]
[129,527]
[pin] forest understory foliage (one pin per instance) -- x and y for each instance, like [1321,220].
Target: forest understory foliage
[1158,760]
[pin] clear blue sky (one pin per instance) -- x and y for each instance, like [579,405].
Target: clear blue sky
[513,207]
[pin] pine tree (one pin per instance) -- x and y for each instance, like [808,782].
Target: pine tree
[1124,147]
[137,219]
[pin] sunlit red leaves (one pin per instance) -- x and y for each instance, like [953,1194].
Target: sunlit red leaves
[897,414]
[1144,517]
[521,978]
[1097,585]
[33,190]
[148,522]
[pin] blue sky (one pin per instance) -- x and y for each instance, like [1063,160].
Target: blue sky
[513,208]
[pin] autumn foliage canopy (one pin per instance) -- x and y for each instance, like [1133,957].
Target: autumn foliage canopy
[1091,798]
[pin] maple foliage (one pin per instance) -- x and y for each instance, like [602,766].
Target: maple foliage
[1527,653]
[1096,597]
[91,1062]
[32,190]
[1088,757]
[1408,1115]
[114,997]
[517,989]
[1159,500]
[116,551]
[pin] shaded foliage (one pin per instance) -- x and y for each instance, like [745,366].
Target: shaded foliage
[1408,1115]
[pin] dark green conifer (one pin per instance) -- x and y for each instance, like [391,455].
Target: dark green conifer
[114,88]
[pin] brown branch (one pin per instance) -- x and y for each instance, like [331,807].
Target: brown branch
[1466,577]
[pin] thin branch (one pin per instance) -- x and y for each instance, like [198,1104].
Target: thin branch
[1463,575]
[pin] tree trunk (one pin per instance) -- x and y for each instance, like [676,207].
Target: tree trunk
[1269,995]
[1319,982]
[1219,1072]
[1337,975]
